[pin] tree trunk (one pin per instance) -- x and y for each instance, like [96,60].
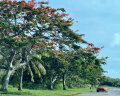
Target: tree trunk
[64,78]
[8,73]
[21,80]
[51,84]
[6,80]
[52,81]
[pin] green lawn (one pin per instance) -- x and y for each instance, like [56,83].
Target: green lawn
[27,92]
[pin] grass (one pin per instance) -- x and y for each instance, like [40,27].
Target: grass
[27,92]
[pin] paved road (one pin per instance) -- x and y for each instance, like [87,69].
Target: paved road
[111,92]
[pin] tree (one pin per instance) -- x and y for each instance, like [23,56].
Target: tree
[29,26]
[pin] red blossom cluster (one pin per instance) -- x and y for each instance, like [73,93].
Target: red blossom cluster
[58,52]
[34,46]
[29,4]
[64,14]
[42,45]
[32,3]
[89,50]
[65,23]
[43,2]
[51,43]
[15,1]
[94,49]
[17,38]
[10,2]
[54,10]
[83,49]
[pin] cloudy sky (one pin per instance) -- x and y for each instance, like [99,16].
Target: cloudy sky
[99,20]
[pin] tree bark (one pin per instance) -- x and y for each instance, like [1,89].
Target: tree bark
[21,80]
[6,80]
[52,81]
[8,73]
[64,84]
[51,84]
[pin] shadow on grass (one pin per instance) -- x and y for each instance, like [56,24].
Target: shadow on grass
[16,93]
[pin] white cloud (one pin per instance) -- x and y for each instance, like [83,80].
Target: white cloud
[116,39]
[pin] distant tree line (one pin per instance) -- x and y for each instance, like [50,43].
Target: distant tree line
[113,82]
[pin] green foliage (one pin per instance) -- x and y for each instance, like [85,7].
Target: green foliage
[2,74]
[75,82]
[58,86]
[31,85]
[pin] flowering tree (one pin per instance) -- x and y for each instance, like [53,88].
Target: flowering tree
[26,27]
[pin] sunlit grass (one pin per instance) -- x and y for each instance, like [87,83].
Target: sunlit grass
[27,92]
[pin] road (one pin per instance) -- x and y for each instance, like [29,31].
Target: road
[111,92]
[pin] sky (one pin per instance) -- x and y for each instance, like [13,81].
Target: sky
[99,20]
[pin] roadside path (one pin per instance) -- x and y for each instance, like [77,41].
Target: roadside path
[111,92]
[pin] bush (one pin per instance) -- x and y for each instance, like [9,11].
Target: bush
[58,86]
[75,82]
[31,85]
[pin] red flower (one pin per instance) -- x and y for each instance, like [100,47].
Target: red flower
[52,43]
[42,2]
[15,1]
[23,2]
[10,2]
[46,11]
[97,48]
[54,10]
[64,14]
[83,49]
[89,50]
[34,46]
